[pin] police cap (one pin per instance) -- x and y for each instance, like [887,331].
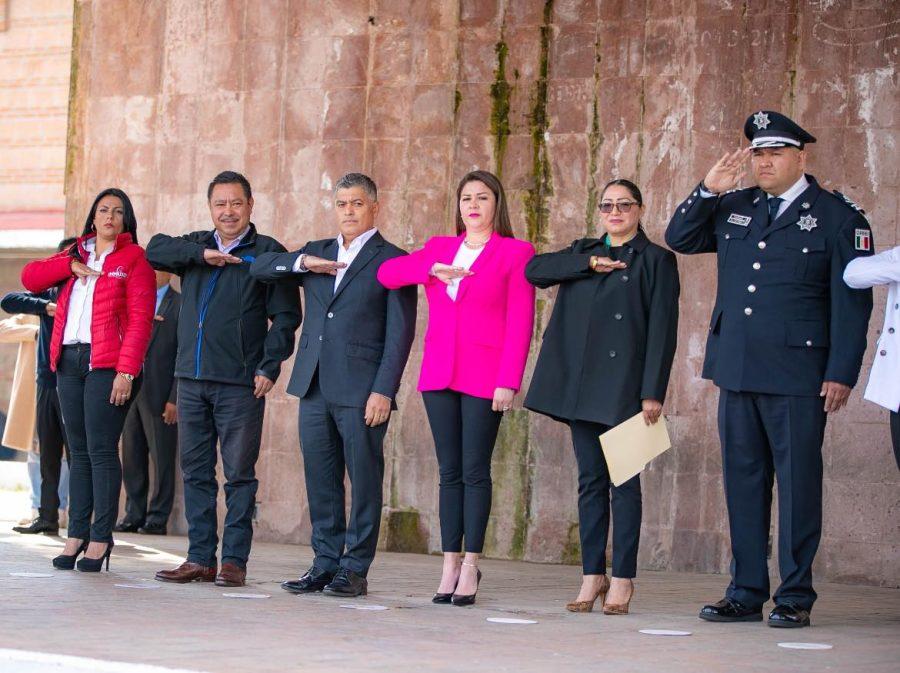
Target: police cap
[772,129]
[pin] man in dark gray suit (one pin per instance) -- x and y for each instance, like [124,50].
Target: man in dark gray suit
[150,427]
[353,348]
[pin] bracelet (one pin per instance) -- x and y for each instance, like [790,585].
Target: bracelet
[127,377]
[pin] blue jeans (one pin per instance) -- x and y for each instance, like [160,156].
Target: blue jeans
[34,476]
[211,413]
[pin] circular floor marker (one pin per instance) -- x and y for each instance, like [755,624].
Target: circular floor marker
[247,596]
[370,608]
[510,620]
[806,646]
[31,575]
[664,632]
[137,586]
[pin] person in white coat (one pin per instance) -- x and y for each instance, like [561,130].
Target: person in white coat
[884,380]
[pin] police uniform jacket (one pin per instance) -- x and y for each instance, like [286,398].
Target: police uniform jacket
[784,321]
[611,337]
[884,379]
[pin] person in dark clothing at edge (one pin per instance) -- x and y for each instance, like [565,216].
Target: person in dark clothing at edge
[228,360]
[50,429]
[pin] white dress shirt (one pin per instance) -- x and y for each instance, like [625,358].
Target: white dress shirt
[231,246]
[882,269]
[464,257]
[787,198]
[81,301]
[345,255]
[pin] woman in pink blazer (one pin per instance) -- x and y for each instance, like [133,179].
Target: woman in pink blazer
[480,318]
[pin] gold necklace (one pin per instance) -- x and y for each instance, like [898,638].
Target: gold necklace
[475,246]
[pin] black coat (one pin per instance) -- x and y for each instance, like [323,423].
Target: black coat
[223,330]
[784,320]
[159,385]
[359,336]
[611,337]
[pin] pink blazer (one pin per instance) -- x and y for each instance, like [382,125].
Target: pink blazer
[480,341]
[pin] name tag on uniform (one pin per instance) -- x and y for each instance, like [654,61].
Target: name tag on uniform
[740,220]
[281,268]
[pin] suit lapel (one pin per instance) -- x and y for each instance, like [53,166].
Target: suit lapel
[366,255]
[480,262]
[759,221]
[163,309]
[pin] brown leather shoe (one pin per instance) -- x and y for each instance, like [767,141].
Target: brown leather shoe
[231,576]
[188,572]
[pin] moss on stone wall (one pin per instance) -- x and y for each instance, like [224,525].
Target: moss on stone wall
[71,130]
[500,93]
[536,213]
[401,531]
[571,552]
[512,476]
[595,140]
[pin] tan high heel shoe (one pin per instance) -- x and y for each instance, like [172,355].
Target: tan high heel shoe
[588,606]
[619,608]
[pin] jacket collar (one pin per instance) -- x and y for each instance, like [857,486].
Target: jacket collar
[209,237]
[122,240]
[638,243]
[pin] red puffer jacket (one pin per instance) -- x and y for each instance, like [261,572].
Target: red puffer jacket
[124,300]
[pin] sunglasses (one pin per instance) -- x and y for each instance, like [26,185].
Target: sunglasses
[623,206]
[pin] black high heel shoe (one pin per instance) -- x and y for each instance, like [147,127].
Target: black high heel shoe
[67,561]
[468,599]
[444,598]
[93,565]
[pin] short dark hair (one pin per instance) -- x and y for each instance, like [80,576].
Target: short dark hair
[229,178]
[129,221]
[357,180]
[65,243]
[502,223]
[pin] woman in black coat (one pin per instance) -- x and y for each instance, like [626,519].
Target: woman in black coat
[606,356]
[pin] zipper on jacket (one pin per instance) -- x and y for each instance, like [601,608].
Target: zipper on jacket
[204,307]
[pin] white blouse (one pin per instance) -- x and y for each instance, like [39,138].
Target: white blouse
[81,300]
[465,257]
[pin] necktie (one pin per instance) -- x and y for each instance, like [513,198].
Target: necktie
[774,205]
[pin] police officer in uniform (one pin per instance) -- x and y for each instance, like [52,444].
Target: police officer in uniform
[785,345]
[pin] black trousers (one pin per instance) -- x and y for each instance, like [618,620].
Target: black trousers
[765,437]
[93,428]
[335,439]
[52,442]
[147,437]
[594,488]
[895,435]
[465,430]
[211,413]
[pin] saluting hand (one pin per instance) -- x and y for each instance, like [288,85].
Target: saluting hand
[727,172]
[83,271]
[319,265]
[835,394]
[447,273]
[652,410]
[605,264]
[218,258]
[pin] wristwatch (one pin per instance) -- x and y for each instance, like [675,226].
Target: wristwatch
[127,377]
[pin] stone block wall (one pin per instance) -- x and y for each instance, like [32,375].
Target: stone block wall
[558,97]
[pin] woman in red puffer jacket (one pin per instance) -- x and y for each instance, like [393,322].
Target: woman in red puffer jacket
[104,315]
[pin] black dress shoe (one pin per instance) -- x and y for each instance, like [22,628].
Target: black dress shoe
[39,525]
[789,616]
[126,527]
[440,598]
[152,529]
[466,599]
[314,579]
[728,610]
[347,584]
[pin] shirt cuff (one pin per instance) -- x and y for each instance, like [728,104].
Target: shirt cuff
[298,264]
[705,193]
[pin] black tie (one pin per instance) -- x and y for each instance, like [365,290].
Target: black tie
[774,205]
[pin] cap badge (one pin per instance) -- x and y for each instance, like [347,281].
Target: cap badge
[805,205]
[807,223]
[761,120]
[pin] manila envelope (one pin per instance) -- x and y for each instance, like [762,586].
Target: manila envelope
[631,445]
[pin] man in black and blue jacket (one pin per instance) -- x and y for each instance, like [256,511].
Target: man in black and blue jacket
[228,360]
[50,429]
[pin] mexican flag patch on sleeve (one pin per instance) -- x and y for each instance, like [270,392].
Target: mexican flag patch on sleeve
[863,240]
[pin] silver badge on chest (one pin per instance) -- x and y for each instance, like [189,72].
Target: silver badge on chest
[807,223]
